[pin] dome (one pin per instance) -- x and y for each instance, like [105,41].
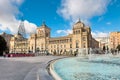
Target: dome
[79,24]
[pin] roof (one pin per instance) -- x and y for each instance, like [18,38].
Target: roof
[44,25]
[79,24]
[58,38]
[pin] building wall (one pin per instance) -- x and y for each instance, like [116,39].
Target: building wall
[114,39]
[95,43]
[80,38]
[18,44]
[103,41]
[41,41]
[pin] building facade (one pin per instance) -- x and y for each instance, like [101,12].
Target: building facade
[114,39]
[18,44]
[79,41]
[103,41]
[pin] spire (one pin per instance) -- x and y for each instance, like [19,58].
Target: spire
[21,29]
[79,20]
[43,23]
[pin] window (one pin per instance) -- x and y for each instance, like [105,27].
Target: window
[77,44]
[84,45]
[32,47]
[57,46]
[74,32]
[83,30]
[79,31]
[61,46]
[54,46]
[70,40]
[70,45]
[42,46]
[84,39]
[46,34]
[64,46]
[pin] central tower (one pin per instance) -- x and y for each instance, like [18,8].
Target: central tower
[43,34]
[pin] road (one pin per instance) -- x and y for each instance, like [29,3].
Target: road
[25,68]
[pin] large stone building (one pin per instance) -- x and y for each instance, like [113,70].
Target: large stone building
[114,39]
[18,44]
[41,42]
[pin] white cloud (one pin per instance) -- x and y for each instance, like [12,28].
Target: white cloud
[74,9]
[30,27]
[99,34]
[84,9]
[95,34]
[108,23]
[9,9]
[64,32]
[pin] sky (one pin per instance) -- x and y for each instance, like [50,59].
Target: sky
[103,16]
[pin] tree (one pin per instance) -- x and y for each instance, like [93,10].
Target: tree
[3,45]
[118,47]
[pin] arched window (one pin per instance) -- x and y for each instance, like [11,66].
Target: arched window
[77,44]
[32,47]
[74,32]
[79,31]
[54,46]
[64,46]
[70,40]
[42,46]
[61,46]
[84,39]
[46,34]
[84,45]
[70,45]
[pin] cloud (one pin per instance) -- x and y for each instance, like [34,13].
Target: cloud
[9,10]
[96,34]
[30,27]
[108,23]
[74,9]
[64,32]
[71,10]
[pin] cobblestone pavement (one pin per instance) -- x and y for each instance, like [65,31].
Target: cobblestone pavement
[26,68]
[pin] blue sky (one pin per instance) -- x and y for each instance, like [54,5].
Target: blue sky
[103,16]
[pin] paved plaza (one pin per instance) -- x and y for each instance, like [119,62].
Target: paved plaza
[25,68]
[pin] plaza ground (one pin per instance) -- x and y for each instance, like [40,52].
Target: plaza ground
[25,68]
